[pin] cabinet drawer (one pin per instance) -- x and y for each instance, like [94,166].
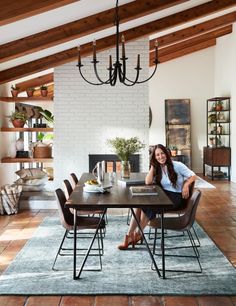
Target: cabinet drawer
[217,156]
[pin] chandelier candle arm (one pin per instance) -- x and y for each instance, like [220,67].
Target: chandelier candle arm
[117,70]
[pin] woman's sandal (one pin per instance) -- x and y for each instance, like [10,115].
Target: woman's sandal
[129,240]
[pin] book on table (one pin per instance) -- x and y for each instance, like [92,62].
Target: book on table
[130,182]
[143,190]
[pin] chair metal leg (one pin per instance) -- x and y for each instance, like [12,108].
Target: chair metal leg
[61,251]
[195,250]
[196,236]
[88,250]
[128,216]
[63,239]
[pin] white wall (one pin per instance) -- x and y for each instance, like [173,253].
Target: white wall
[86,115]
[189,77]
[225,84]
[7,171]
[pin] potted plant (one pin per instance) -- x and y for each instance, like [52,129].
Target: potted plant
[173,150]
[18,119]
[219,106]
[14,90]
[46,115]
[212,118]
[44,90]
[30,91]
[124,148]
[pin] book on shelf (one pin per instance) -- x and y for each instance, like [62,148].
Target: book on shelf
[143,190]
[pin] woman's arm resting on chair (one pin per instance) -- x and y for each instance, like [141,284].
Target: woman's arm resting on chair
[187,183]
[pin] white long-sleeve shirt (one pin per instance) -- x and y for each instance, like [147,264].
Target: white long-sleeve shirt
[183,173]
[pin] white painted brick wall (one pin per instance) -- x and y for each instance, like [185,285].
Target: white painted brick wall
[86,116]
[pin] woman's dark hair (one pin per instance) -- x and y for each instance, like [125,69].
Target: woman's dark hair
[170,167]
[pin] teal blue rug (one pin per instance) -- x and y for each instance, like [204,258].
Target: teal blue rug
[124,272]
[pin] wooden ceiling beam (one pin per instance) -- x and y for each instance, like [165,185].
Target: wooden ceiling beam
[13,10]
[63,57]
[197,29]
[36,82]
[185,51]
[196,40]
[81,28]
[197,43]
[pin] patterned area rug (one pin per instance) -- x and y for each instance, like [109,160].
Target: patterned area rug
[200,183]
[124,272]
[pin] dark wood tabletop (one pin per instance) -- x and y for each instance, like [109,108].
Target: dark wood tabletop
[119,196]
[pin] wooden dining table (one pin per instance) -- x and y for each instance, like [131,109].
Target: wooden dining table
[119,196]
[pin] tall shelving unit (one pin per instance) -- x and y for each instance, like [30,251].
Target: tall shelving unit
[217,153]
[4,129]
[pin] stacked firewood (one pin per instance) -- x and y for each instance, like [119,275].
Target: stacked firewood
[9,199]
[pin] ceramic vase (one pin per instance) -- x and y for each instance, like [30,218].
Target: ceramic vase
[20,144]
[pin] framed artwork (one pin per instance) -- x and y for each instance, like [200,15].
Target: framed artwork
[177,111]
[180,135]
[178,128]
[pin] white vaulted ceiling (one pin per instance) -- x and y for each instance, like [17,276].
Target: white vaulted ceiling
[15,30]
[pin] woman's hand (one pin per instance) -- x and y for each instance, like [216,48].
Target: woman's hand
[185,191]
[186,185]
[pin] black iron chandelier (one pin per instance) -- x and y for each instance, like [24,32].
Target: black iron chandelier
[117,70]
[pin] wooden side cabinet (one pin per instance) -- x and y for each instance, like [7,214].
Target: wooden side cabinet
[217,157]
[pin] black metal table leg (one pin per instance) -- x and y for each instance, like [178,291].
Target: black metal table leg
[75,241]
[90,246]
[146,243]
[163,245]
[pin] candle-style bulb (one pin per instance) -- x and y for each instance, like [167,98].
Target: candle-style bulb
[110,62]
[156,50]
[94,50]
[138,61]
[123,45]
[79,55]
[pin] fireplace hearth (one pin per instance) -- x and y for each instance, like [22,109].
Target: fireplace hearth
[113,162]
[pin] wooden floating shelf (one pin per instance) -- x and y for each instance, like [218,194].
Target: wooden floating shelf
[12,129]
[26,160]
[26,99]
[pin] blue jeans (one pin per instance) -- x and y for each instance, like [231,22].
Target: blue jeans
[175,197]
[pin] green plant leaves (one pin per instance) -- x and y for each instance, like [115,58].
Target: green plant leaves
[125,147]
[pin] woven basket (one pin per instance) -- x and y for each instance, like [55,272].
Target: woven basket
[42,152]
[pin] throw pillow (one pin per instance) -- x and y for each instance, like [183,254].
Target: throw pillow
[31,173]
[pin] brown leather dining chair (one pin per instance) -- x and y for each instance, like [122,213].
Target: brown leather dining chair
[179,223]
[74,179]
[179,213]
[84,223]
[75,182]
[68,190]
